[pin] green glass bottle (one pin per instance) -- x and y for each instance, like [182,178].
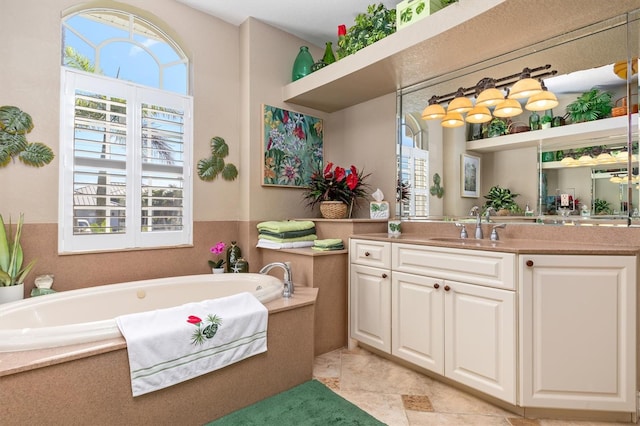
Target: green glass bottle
[328,57]
[233,254]
[303,64]
[534,121]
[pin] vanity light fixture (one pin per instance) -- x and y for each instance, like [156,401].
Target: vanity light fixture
[460,103]
[586,160]
[434,110]
[525,87]
[542,101]
[508,108]
[569,162]
[478,115]
[453,119]
[605,158]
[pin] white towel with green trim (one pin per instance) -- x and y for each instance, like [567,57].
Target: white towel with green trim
[169,346]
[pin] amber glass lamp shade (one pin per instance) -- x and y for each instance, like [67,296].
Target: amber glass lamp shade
[525,88]
[433,112]
[452,119]
[542,101]
[479,114]
[489,97]
[508,108]
[460,105]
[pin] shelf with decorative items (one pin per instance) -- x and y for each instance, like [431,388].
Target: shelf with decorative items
[422,51]
[606,130]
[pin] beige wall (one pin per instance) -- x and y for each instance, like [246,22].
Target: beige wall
[234,71]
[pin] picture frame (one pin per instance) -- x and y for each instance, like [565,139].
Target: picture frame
[292,147]
[470,176]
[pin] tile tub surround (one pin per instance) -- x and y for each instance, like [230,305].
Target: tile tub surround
[90,384]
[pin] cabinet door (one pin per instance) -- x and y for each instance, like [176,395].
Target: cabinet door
[578,332]
[417,318]
[480,338]
[370,304]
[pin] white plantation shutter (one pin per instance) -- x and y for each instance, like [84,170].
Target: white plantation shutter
[126,165]
[415,170]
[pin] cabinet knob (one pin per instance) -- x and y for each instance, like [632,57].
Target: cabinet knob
[384,275]
[436,286]
[529,263]
[447,288]
[367,254]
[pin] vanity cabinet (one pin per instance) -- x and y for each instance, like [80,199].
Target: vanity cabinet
[370,293]
[578,332]
[453,312]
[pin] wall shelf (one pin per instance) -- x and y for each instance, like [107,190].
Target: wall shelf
[458,36]
[599,132]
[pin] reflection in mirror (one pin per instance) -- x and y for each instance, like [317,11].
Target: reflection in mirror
[527,151]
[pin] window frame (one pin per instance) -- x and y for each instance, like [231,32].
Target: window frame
[133,238]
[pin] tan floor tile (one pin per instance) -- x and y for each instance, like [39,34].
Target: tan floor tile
[447,399]
[327,365]
[519,421]
[385,407]
[417,418]
[332,383]
[417,403]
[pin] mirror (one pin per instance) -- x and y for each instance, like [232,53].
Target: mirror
[437,166]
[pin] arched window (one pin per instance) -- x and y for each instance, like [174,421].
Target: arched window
[126,135]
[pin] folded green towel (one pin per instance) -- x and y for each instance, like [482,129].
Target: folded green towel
[289,234]
[288,240]
[285,225]
[327,248]
[328,242]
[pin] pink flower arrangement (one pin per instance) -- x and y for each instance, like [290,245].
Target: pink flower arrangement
[217,250]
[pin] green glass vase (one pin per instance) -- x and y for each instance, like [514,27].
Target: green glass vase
[328,57]
[303,64]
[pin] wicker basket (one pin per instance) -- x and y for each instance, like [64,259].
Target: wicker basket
[333,209]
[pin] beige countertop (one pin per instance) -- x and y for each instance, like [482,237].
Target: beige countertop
[508,245]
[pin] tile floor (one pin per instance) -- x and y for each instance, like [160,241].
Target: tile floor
[398,396]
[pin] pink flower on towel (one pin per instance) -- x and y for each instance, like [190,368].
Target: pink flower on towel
[194,319]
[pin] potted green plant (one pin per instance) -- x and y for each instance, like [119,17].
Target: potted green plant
[502,201]
[14,126]
[377,23]
[591,105]
[12,274]
[497,127]
[601,207]
[339,188]
[545,121]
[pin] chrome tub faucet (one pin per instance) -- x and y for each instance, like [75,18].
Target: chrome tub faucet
[288,277]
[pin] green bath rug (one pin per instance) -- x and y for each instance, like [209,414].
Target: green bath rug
[308,404]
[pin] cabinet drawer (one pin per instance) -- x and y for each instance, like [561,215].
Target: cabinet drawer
[488,268]
[370,253]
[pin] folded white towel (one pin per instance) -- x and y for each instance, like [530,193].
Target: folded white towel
[275,245]
[169,346]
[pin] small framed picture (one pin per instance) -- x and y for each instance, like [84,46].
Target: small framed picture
[470,176]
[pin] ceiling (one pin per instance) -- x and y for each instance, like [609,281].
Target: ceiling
[314,21]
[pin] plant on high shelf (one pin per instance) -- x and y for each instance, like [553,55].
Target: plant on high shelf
[336,184]
[497,127]
[377,23]
[601,207]
[502,200]
[591,105]
[14,126]
[11,256]
[545,121]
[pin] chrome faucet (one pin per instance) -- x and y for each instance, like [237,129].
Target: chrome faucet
[475,210]
[488,212]
[494,233]
[288,277]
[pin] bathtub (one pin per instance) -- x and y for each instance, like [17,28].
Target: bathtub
[88,315]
